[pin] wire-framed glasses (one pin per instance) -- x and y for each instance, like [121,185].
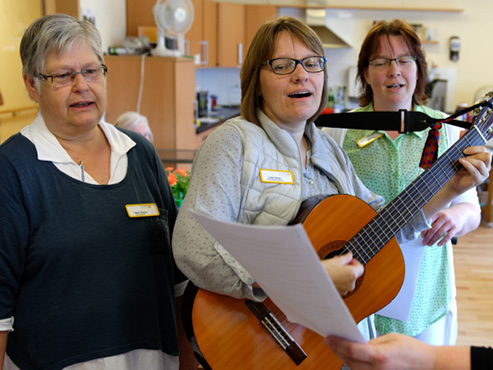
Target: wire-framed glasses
[404,61]
[284,66]
[67,78]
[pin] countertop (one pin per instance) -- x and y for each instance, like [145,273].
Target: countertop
[217,116]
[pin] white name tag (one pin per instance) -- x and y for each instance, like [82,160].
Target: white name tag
[276,176]
[142,210]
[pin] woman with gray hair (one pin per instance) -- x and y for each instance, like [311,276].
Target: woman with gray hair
[136,122]
[87,214]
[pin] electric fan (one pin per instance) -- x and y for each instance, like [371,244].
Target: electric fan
[173,18]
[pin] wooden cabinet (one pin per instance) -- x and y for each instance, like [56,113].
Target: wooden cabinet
[230,34]
[220,33]
[237,24]
[255,16]
[202,36]
[168,94]
[139,13]
[71,7]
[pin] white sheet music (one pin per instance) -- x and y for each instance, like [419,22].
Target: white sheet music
[283,262]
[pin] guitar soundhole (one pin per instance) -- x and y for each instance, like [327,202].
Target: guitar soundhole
[335,248]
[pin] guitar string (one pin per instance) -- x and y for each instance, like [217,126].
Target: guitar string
[416,199]
[418,186]
[439,172]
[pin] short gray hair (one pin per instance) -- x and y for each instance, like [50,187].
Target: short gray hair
[129,120]
[55,32]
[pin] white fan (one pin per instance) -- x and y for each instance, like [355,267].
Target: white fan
[173,18]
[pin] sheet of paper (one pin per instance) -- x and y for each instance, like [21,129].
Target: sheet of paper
[284,263]
[400,307]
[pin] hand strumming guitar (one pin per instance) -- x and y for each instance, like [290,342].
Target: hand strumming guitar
[343,270]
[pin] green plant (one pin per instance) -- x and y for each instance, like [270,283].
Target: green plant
[179,180]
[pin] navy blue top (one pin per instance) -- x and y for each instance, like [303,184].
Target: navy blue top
[82,279]
[481,358]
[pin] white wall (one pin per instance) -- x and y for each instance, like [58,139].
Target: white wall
[111,19]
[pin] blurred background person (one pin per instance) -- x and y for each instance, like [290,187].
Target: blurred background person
[87,214]
[136,122]
[393,72]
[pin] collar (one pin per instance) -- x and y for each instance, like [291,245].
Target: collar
[49,149]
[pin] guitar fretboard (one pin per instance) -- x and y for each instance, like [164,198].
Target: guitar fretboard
[370,239]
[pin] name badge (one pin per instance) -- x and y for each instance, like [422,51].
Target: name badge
[364,141]
[142,210]
[276,176]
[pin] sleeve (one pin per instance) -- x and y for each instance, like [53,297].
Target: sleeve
[14,233]
[470,196]
[215,191]
[481,358]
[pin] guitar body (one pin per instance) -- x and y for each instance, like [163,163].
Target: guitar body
[228,334]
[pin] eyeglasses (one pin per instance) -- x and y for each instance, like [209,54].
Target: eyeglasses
[404,61]
[67,78]
[285,66]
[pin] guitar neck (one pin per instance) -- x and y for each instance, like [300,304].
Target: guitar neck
[373,237]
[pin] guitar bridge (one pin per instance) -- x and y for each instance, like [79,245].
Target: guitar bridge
[278,332]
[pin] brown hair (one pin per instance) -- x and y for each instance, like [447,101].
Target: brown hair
[371,44]
[261,50]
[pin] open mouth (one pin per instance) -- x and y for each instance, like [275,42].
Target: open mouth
[301,94]
[395,86]
[80,105]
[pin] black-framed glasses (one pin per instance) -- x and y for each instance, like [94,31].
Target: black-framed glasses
[402,61]
[284,66]
[67,78]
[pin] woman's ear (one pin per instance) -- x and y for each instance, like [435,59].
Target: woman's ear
[31,87]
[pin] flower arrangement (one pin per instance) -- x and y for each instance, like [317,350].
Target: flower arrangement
[179,180]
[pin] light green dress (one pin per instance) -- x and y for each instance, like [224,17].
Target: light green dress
[387,167]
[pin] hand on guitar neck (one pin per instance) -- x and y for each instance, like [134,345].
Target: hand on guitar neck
[476,168]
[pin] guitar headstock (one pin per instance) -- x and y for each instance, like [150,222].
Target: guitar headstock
[482,116]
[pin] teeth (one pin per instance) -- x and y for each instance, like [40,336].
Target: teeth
[300,94]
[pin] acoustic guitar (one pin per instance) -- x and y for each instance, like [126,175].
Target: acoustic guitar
[229,333]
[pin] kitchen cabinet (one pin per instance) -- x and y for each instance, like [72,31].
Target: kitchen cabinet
[237,25]
[168,94]
[202,36]
[220,33]
[71,7]
[392,5]
[230,34]
[255,16]
[139,13]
